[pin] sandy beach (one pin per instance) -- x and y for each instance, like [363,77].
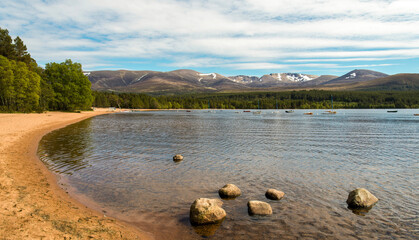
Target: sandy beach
[32,205]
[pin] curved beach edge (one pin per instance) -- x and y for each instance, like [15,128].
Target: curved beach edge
[32,205]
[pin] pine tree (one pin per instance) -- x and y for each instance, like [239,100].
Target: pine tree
[6,45]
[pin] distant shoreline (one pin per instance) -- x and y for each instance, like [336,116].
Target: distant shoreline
[33,205]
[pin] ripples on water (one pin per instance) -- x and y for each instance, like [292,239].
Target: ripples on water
[123,162]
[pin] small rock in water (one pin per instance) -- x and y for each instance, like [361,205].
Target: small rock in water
[274,194]
[206,211]
[178,158]
[361,198]
[259,208]
[229,191]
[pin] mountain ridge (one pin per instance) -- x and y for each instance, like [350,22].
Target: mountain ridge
[187,80]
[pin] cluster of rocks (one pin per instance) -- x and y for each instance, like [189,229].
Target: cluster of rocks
[209,211]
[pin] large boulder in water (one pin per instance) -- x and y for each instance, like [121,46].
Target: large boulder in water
[229,191]
[361,198]
[274,194]
[206,211]
[259,208]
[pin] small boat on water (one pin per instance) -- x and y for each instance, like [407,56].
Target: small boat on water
[330,112]
[246,111]
[416,114]
[392,111]
[188,111]
[257,112]
[308,113]
[289,111]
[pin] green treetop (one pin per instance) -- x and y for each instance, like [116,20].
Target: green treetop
[70,86]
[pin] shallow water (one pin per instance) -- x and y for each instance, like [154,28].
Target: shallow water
[123,164]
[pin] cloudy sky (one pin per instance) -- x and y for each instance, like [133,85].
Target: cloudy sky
[252,37]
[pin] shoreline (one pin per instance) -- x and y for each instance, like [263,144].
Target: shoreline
[32,204]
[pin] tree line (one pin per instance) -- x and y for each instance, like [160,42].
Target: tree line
[26,87]
[313,99]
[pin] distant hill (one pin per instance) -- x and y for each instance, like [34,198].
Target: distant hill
[107,80]
[190,81]
[357,75]
[402,81]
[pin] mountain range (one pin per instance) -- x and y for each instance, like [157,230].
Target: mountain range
[184,80]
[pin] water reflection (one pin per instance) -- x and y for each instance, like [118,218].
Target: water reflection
[207,230]
[360,211]
[67,149]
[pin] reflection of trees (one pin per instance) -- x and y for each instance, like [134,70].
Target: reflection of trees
[65,150]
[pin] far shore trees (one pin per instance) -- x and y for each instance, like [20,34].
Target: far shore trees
[313,99]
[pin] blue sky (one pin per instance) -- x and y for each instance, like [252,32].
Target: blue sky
[250,37]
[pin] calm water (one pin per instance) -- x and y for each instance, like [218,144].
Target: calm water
[122,164]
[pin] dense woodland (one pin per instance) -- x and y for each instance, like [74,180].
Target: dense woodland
[26,87]
[314,99]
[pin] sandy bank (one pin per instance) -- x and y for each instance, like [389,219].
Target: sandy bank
[32,206]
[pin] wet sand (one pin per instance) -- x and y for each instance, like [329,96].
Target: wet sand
[32,205]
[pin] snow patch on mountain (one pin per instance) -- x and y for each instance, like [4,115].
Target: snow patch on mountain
[298,77]
[352,75]
[214,76]
[139,79]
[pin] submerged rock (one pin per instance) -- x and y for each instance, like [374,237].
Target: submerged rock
[229,191]
[177,158]
[361,198]
[274,194]
[259,208]
[206,211]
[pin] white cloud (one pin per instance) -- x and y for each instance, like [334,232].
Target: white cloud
[257,34]
[256,65]
[341,59]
